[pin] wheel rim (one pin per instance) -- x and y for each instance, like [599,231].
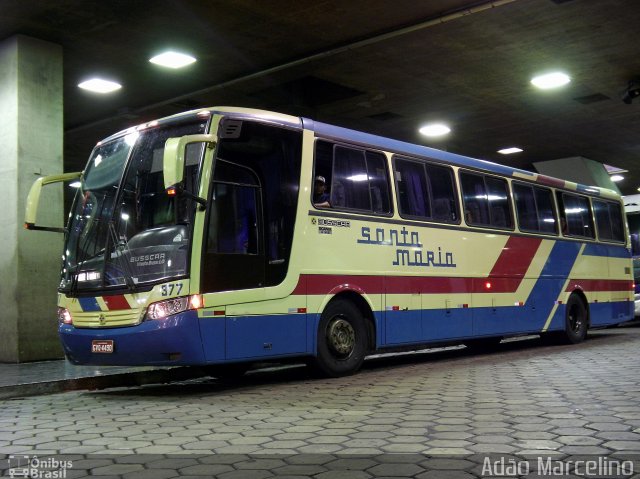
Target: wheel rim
[575,318]
[341,337]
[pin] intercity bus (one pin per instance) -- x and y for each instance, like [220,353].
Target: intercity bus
[194,240]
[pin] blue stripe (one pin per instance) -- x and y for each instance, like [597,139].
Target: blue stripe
[612,251]
[89,304]
[551,282]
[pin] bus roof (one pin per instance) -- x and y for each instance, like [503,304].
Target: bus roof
[410,149]
[386,144]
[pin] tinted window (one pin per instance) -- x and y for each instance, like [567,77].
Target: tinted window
[233,219]
[413,195]
[378,182]
[476,203]
[356,179]
[498,196]
[546,213]
[443,193]
[535,208]
[486,200]
[426,191]
[575,215]
[609,220]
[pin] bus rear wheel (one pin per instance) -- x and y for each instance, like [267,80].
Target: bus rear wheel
[342,340]
[576,321]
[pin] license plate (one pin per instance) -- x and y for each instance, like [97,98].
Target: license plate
[104,346]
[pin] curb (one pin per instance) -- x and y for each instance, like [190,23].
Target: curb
[137,378]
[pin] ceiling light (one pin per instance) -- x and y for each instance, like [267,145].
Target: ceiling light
[435,129]
[510,151]
[98,85]
[550,80]
[172,59]
[617,178]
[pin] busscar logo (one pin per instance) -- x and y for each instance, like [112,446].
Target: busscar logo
[148,259]
[336,223]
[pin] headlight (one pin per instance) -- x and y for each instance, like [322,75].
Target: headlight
[64,316]
[162,309]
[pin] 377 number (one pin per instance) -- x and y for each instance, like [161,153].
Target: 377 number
[171,289]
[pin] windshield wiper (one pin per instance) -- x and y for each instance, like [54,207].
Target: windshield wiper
[124,244]
[88,231]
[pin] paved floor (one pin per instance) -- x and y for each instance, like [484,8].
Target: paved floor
[436,414]
[58,370]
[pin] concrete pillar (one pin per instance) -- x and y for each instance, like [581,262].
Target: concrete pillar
[31,141]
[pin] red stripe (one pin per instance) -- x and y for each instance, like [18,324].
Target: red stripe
[505,277]
[315,284]
[600,285]
[517,254]
[116,302]
[550,181]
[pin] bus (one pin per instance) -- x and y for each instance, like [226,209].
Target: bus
[195,240]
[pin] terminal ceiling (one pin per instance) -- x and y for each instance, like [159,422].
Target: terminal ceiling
[378,66]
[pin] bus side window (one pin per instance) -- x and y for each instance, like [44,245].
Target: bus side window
[534,207]
[413,192]
[475,199]
[498,197]
[576,212]
[443,193]
[608,220]
[356,179]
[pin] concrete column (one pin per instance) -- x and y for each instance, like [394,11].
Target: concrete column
[31,141]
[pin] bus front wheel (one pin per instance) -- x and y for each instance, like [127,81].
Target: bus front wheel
[342,340]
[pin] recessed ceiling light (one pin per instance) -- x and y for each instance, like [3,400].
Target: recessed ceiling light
[172,59]
[434,129]
[550,80]
[510,151]
[617,178]
[98,85]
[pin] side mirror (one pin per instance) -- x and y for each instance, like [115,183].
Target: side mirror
[173,160]
[33,199]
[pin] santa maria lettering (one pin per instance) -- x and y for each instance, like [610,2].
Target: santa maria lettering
[409,250]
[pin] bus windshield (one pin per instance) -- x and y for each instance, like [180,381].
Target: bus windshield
[124,230]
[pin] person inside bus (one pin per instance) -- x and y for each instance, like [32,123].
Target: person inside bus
[320,195]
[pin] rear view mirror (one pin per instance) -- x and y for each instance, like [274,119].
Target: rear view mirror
[173,160]
[33,199]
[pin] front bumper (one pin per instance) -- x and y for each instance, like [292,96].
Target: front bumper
[171,341]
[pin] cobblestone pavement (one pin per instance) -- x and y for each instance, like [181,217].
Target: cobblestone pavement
[437,414]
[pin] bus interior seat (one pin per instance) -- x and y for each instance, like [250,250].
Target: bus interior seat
[498,217]
[163,211]
[528,221]
[472,212]
[337,194]
[442,209]
[376,199]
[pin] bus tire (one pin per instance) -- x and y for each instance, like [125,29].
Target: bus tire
[576,321]
[342,340]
